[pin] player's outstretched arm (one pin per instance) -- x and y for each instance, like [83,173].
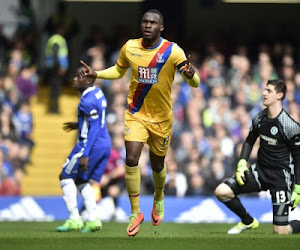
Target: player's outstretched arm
[68,126]
[190,75]
[114,72]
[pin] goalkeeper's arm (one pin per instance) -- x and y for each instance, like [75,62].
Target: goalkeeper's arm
[246,151]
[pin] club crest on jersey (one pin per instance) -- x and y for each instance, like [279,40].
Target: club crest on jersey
[147,75]
[274,130]
[160,58]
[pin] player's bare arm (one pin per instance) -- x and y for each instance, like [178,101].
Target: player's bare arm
[87,71]
[68,126]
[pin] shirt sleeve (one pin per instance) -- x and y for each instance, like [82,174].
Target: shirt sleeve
[253,134]
[122,61]
[179,57]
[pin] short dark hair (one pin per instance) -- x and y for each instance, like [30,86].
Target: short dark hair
[279,86]
[156,12]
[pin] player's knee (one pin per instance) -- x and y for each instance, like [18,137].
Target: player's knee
[223,192]
[282,229]
[132,160]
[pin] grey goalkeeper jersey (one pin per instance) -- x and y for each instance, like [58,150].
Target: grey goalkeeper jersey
[279,141]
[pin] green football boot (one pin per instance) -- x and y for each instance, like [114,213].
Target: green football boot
[92,226]
[158,212]
[241,227]
[70,225]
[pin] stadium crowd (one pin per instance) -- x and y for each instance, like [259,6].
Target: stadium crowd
[210,122]
[18,84]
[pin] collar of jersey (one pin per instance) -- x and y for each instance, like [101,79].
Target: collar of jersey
[160,40]
[89,89]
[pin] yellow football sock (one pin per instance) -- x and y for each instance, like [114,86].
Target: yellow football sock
[133,181]
[159,183]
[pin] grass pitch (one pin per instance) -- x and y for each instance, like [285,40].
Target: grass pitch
[42,236]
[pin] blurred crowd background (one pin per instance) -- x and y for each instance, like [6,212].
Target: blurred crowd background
[210,122]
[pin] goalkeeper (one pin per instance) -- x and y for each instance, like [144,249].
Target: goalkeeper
[278,155]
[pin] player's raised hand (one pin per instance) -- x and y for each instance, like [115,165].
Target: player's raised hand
[68,126]
[189,70]
[87,71]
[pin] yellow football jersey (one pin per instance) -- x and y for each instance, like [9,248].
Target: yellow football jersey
[152,76]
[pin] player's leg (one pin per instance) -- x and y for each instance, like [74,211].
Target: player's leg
[98,159]
[159,142]
[227,193]
[281,205]
[133,181]
[135,135]
[93,223]
[159,172]
[69,189]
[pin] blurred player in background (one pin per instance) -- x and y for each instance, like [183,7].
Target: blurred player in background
[279,140]
[86,163]
[148,119]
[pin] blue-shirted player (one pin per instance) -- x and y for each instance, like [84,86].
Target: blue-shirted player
[87,161]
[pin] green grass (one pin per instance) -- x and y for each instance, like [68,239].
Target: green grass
[42,236]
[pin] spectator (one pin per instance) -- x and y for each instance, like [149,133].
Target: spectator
[57,64]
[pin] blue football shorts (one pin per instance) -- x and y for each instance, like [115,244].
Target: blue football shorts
[96,166]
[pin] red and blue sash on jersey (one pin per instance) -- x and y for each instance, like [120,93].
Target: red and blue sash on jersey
[142,89]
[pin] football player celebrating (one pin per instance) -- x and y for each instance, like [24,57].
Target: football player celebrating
[87,161]
[148,119]
[279,140]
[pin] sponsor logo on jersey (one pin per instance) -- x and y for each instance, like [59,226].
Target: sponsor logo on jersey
[134,54]
[147,75]
[271,141]
[274,130]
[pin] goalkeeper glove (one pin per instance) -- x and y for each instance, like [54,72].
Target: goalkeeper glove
[240,172]
[295,199]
